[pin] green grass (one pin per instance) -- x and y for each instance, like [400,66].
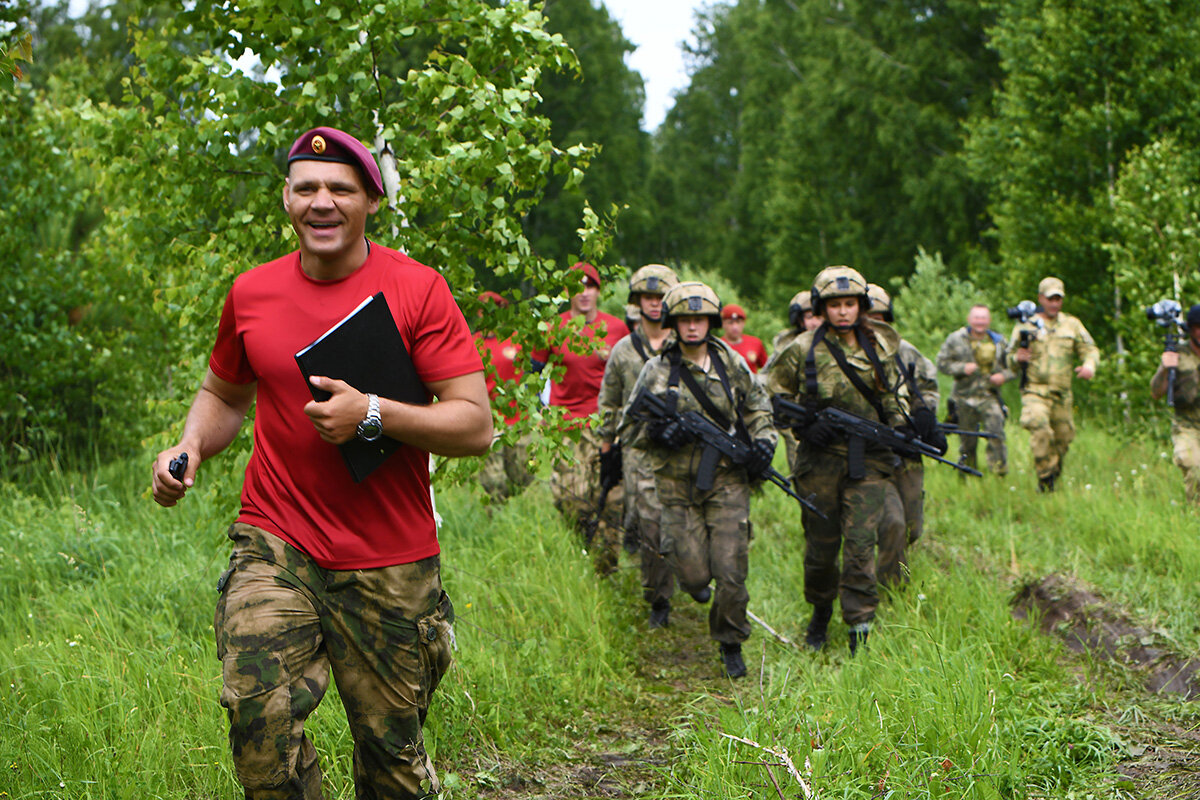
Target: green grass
[109,680]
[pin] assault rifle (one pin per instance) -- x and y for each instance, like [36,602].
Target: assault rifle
[858,431]
[715,441]
[610,478]
[952,430]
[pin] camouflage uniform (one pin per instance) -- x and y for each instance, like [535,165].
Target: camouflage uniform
[977,401]
[861,513]
[1046,399]
[642,508]
[575,486]
[910,476]
[282,622]
[1185,427]
[505,470]
[705,535]
[778,344]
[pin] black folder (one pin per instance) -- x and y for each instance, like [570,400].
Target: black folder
[366,351]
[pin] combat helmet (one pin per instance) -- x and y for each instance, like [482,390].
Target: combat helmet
[839,282]
[692,299]
[880,302]
[801,302]
[651,279]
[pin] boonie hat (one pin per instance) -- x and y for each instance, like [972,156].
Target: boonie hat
[1051,287]
[330,144]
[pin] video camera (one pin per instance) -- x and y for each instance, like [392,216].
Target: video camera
[1165,312]
[1022,311]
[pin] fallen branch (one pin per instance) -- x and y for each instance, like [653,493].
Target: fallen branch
[782,755]
[778,636]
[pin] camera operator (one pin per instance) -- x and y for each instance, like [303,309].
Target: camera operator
[1054,345]
[1185,428]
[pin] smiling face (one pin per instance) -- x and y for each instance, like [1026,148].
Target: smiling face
[328,207]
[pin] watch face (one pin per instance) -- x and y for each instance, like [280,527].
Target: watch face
[369,430]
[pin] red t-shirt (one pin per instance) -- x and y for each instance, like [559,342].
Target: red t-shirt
[750,348]
[579,390]
[297,485]
[502,355]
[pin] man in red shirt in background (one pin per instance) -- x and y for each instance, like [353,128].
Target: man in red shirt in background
[326,573]
[505,471]
[751,348]
[575,480]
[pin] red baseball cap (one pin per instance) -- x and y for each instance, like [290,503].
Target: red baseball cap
[590,273]
[330,144]
[733,312]
[493,297]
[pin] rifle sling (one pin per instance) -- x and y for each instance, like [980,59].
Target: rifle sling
[636,341]
[839,356]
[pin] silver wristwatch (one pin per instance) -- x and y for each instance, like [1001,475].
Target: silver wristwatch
[371,428]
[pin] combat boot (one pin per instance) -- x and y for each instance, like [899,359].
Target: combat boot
[731,657]
[818,626]
[660,611]
[702,595]
[858,637]
[1046,484]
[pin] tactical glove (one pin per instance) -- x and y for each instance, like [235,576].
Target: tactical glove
[670,434]
[818,433]
[759,462]
[925,425]
[610,467]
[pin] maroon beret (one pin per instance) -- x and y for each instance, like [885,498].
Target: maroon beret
[330,144]
[589,272]
[732,312]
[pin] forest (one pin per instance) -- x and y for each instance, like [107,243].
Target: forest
[954,151]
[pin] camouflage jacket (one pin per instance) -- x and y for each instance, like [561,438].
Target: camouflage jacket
[787,378]
[924,374]
[620,373]
[781,340]
[1054,351]
[1187,388]
[751,401]
[956,353]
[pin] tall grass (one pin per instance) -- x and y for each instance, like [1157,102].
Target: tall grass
[109,680]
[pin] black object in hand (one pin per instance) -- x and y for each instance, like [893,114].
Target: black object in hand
[818,433]
[178,466]
[759,461]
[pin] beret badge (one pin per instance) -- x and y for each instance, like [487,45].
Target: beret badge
[318,144]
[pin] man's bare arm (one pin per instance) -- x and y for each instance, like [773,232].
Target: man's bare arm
[213,421]
[459,424]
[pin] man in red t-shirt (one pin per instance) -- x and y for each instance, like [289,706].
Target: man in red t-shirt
[751,348]
[327,573]
[575,480]
[505,471]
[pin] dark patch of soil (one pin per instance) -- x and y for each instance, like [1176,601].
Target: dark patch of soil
[1087,623]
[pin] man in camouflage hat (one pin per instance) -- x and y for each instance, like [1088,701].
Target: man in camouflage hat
[852,487]
[919,377]
[976,357]
[1185,427]
[575,477]
[328,573]
[705,534]
[1057,341]
[647,286]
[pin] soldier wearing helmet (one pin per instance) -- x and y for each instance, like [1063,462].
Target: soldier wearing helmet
[848,362]
[1046,401]
[575,479]
[800,319]
[919,377]
[705,535]
[1185,427]
[647,286]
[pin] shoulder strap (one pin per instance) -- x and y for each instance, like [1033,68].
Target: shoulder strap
[851,374]
[636,339]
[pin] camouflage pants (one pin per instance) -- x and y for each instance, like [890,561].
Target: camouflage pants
[658,581]
[892,560]
[861,514]
[1051,430]
[1187,458]
[575,486]
[707,536]
[505,471]
[988,418]
[282,622]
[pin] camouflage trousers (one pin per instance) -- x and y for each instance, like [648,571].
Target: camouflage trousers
[861,515]
[575,486]
[1187,458]
[505,471]
[706,536]
[645,512]
[891,567]
[1051,429]
[283,622]
[988,418]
